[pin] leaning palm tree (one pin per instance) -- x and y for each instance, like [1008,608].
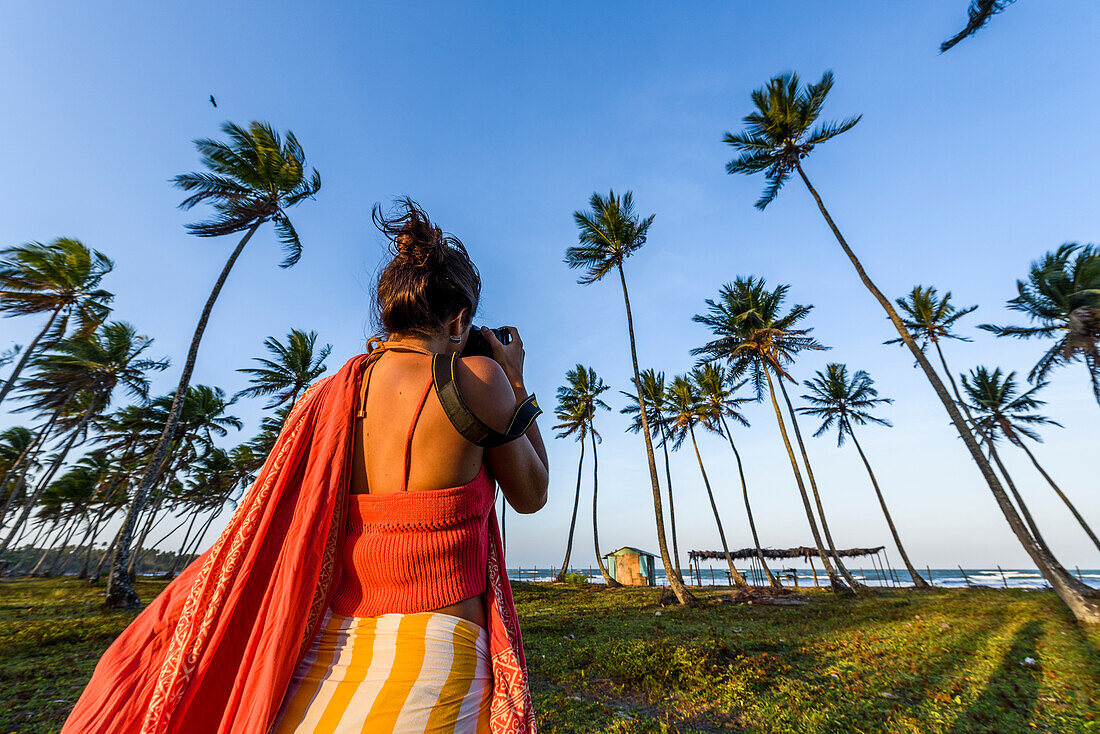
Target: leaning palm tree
[60,279]
[977,15]
[253,178]
[1061,295]
[610,233]
[718,390]
[92,368]
[776,139]
[841,401]
[578,402]
[1001,410]
[754,337]
[655,392]
[685,411]
[294,367]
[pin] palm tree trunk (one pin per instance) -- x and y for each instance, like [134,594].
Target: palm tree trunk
[103,560]
[835,581]
[607,579]
[671,506]
[918,580]
[573,520]
[186,539]
[58,461]
[60,553]
[10,382]
[678,588]
[1058,491]
[90,538]
[738,579]
[120,589]
[856,586]
[151,517]
[1073,593]
[49,546]
[1032,526]
[772,580]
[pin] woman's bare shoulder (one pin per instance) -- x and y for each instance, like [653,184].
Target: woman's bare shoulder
[486,389]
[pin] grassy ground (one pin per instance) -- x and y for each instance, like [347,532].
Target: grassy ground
[605,661]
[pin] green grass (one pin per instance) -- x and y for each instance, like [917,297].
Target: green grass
[604,661]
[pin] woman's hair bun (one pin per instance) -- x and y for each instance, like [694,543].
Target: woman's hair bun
[414,239]
[430,277]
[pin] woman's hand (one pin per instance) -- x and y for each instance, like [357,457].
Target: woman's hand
[509,356]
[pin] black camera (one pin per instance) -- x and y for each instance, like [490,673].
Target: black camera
[478,346]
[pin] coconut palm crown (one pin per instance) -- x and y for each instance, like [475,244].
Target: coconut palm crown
[253,177]
[1000,408]
[578,402]
[607,235]
[841,400]
[753,334]
[294,367]
[1062,297]
[777,133]
[930,318]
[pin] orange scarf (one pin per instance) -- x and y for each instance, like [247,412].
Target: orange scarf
[215,651]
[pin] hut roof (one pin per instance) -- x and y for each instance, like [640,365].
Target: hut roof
[630,549]
[803,552]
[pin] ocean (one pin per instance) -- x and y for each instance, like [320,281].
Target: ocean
[1018,578]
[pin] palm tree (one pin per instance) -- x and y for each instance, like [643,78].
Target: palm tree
[92,368]
[685,411]
[1003,411]
[718,390]
[610,233]
[578,402]
[16,445]
[841,401]
[753,337]
[1062,294]
[202,419]
[254,178]
[295,366]
[655,392]
[60,279]
[930,319]
[977,15]
[776,140]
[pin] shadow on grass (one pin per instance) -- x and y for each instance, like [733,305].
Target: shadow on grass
[1006,702]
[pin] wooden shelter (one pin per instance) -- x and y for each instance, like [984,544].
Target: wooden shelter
[631,566]
[806,553]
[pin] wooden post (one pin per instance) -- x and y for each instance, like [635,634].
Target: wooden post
[965,577]
[811,559]
[929,570]
[1003,577]
[1079,574]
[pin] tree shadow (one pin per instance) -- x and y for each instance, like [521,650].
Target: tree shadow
[1006,702]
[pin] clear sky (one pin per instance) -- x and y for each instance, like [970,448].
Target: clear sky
[502,119]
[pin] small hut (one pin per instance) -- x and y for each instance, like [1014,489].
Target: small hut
[631,566]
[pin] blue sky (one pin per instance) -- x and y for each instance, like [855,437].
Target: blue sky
[502,119]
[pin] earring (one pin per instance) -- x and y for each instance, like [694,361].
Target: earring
[455,339]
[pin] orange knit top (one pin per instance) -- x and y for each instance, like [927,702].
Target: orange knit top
[408,552]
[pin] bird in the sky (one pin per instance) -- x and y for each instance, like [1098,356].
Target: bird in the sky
[212,100]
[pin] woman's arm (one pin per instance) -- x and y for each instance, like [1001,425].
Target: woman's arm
[493,387]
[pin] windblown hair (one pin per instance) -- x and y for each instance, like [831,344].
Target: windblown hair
[429,279]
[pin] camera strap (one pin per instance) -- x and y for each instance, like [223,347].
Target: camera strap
[463,419]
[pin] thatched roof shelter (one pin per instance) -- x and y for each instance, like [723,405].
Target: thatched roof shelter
[773,554]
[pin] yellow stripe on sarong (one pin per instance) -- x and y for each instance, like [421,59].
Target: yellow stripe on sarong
[427,673]
[319,662]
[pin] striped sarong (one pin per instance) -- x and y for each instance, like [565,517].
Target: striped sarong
[427,673]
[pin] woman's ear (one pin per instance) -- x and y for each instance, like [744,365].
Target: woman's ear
[458,324]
